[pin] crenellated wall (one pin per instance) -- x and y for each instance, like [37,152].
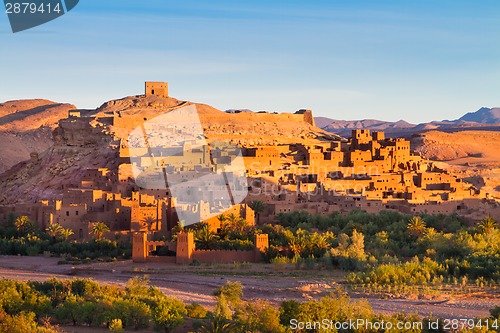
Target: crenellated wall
[186,251]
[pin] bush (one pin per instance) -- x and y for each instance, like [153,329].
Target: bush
[270,253]
[133,313]
[495,312]
[195,310]
[279,262]
[412,272]
[258,316]
[169,314]
[116,326]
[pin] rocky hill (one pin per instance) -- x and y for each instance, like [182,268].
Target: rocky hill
[473,155]
[243,128]
[344,127]
[26,126]
[67,147]
[93,140]
[466,146]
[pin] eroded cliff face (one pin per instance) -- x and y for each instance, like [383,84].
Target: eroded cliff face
[82,132]
[26,126]
[47,175]
[75,145]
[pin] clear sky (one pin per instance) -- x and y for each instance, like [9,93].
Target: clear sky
[416,60]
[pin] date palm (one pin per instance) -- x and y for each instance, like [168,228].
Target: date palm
[486,225]
[240,225]
[229,224]
[54,230]
[416,226]
[322,241]
[24,225]
[258,207]
[179,227]
[217,324]
[231,218]
[98,229]
[65,233]
[205,236]
[299,243]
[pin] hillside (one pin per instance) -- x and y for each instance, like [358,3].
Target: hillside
[26,126]
[344,127]
[244,128]
[93,142]
[460,147]
[474,155]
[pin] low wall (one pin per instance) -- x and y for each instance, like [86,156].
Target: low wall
[223,256]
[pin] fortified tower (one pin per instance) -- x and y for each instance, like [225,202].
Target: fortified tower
[139,247]
[185,248]
[159,89]
[261,244]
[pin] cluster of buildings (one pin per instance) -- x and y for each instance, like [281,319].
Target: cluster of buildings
[366,172]
[199,181]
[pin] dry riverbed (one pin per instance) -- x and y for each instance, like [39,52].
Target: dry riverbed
[196,284]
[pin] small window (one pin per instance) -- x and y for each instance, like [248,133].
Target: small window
[67,213]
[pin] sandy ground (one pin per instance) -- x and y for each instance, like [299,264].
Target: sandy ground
[471,155]
[196,284]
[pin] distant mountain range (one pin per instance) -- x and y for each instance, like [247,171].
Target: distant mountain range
[484,118]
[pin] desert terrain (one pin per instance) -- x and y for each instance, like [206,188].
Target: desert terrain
[261,281]
[473,155]
[26,126]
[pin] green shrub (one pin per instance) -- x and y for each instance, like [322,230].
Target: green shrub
[195,310]
[116,326]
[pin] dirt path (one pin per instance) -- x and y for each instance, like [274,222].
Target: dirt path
[192,284]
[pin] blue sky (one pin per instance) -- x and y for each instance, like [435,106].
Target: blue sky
[414,60]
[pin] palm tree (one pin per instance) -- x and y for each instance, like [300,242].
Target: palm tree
[322,241]
[204,235]
[99,229]
[179,227]
[54,230]
[258,207]
[217,324]
[24,225]
[299,243]
[233,223]
[486,225]
[416,225]
[229,223]
[231,218]
[240,225]
[65,233]
[430,233]
[221,218]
